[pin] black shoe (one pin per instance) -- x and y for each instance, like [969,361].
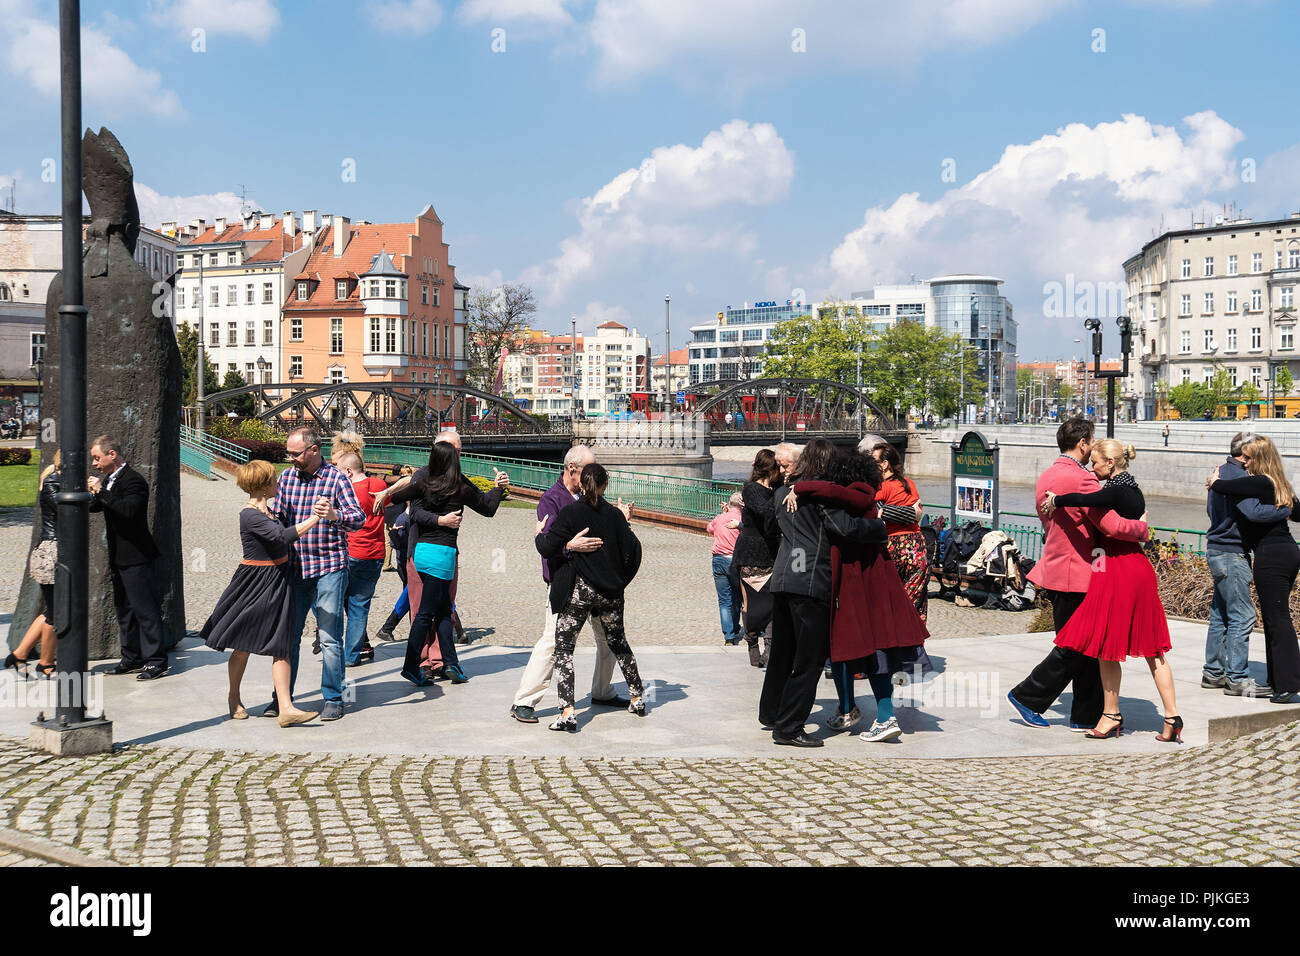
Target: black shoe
[1211,682]
[124,668]
[315,644]
[272,709]
[800,739]
[614,701]
[151,672]
[523,713]
[828,673]
[1284,698]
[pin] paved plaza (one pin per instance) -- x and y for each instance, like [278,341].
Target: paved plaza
[442,775]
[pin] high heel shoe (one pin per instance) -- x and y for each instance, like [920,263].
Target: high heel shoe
[13,660]
[1175,731]
[45,670]
[1113,732]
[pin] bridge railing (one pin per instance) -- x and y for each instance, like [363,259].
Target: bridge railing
[217,447]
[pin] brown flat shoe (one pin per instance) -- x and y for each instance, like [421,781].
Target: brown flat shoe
[301,717]
[237,711]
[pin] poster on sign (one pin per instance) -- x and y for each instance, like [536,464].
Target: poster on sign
[975,499]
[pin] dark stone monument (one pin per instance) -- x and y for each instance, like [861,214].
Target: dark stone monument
[133,390]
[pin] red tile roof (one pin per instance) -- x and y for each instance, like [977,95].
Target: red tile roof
[611,325]
[367,239]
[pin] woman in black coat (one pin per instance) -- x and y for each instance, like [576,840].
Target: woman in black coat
[755,552]
[591,584]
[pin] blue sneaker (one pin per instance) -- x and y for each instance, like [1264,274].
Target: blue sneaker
[457,675]
[1027,715]
[419,681]
[1078,728]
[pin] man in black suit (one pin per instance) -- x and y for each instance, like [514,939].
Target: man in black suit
[123,496]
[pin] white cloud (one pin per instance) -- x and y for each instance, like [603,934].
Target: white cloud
[405,16]
[669,202]
[156,208]
[110,78]
[1078,201]
[478,282]
[598,313]
[498,11]
[253,19]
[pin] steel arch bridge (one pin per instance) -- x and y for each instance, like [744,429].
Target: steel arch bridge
[789,404]
[382,408]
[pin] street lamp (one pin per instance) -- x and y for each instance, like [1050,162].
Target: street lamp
[39,368]
[262,366]
[1125,325]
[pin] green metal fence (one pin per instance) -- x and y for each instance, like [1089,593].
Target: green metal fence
[217,447]
[196,459]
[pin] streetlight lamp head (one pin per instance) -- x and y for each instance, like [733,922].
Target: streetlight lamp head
[1092,325]
[1124,323]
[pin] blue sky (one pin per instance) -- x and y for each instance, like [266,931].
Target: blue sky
[617,150]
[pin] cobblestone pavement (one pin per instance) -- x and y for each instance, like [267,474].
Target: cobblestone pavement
[1230,803]
[672,600]
[14,858]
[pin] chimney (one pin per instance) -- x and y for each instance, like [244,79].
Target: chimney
[249,219]
[219,225]
[289,222]
[326,220]
[266,221]
[342,233]
[309,220]
[168,229]
[197,225]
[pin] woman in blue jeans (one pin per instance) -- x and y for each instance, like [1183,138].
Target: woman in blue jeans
[725,528]
[436,508]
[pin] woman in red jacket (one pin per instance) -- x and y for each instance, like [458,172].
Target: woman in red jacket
[906,543]
[874,626]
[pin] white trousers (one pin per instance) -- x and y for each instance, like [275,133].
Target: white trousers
[541,664]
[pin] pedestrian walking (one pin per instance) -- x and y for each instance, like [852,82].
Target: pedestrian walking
[725,528]
[1121,615]
[1165,432]
[365,561]
[1232,612]
[318,560]
[1277,559]
[754,553]
[801,588]
[592,583]
[906,543]
[254,615]
[122,496]
[1064,571]
[40,565]
[537,674]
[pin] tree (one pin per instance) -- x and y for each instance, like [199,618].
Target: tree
[1282,381]
[187,341]
[245,406]
[1220,388]
[1192,399]
[494,320]
[825,347]
[915,367]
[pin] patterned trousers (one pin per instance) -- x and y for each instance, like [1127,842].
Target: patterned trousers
[587,602]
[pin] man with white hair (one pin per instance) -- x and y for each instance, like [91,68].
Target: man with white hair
[787,455]
[541,663]
[869,442]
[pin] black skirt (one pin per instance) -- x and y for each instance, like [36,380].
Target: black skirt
[253,614]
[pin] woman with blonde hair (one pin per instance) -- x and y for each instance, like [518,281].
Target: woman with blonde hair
[1277,558]
[254,613]
[346,442]
[40,565]
[1121,616]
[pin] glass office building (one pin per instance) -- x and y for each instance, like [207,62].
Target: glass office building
[973,306]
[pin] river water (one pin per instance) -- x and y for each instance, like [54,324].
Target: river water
[1165,512]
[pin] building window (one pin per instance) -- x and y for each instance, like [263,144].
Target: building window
[1232,375]
[336,336]
[266,377]
[1288,339]
[341,289]
[1232,340]
[1185,341]
[232,367]
[1209,267]
[295,330]
[1293,257]
[180,296]
[1256,377]
[212,258]
[437,297]
[1186,376]
[1287,296]
[302,291]
[1255,339]
[295,366]
[1207,343]
[232,295]
[232,258]
[268,331]
[248,294]
[1186,308]
[37,347]
[390,288]
[1208,304]
[424,295]
[213,297]
[268,292]
[390,335]
[1256,300]
[1256,262]
[214,338]
[1277,258]
[248,373]
[336,376]
[1232,265]
[424,338]
[374,334]
[232,333]
[1232,301]
[446,344]
[1187,268]
[250,333]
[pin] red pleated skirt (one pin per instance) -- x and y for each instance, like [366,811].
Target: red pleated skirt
[1121,616]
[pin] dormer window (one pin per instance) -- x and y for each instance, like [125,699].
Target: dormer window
[302,291]
[341,289]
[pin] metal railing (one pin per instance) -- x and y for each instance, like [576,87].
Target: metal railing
[217,447]
[196,459]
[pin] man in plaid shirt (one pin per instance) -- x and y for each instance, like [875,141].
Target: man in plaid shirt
[319,559]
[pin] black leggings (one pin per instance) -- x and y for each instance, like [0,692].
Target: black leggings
[1275,574]
[434,612]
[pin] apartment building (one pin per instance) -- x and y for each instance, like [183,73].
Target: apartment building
[1220,294]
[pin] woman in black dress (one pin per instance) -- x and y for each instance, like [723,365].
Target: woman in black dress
[253,614]
[40,565]
[755,552]
[1277,559]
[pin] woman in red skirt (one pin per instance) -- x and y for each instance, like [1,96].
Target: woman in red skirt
[1122,615]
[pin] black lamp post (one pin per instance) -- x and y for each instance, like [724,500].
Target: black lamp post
[39,368]
[1125,325]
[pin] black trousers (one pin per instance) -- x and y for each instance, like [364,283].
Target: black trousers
[801,641]
[1063,667]
[139,617]
[1275,574]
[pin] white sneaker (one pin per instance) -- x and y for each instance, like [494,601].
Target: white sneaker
[879,732]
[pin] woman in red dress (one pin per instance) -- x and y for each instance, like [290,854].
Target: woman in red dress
[1122,615]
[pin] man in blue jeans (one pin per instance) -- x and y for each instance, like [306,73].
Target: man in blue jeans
[1232,614]
[319,559]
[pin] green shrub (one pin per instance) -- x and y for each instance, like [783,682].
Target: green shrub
[487,484]
[15,456]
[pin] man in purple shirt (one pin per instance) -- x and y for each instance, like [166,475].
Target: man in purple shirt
[319,559]
[541,663]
